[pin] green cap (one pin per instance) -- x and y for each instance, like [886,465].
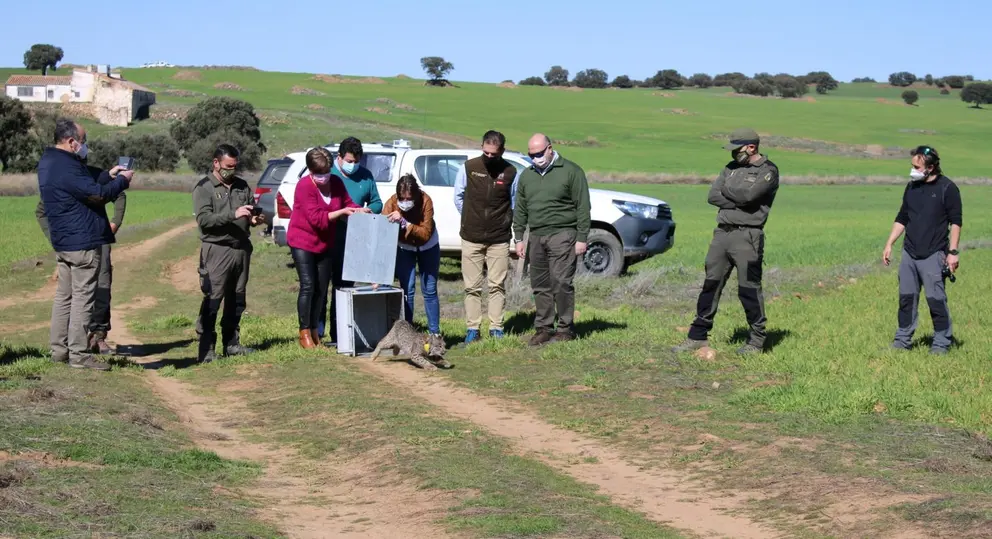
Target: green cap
[741,137]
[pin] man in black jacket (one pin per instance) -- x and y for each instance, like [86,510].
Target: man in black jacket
[931,204]
[78,225]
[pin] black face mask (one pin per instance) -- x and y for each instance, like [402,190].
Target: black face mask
[491,161]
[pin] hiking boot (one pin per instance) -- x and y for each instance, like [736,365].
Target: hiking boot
[317,343]
[238,350]
[98,344]
[471,336]
[897,346]
[60,360]
[542,336]
[208,357]
[938,351]
[748,349]
[563,335]
[89,363]
[496,333]
[689,345]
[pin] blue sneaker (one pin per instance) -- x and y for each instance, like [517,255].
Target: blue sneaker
[471,335]
[496,333]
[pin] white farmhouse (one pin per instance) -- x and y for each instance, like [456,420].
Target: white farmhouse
[105,96]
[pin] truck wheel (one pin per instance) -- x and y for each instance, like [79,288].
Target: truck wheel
[604,255]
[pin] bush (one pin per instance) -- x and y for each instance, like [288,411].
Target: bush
[753,87]
[214,116]
[788,86]
[666,79]
[153,153]
[18,145]
[910,97]
[728,79]
[623,81]
[201,156]
[700,80]
[944,91]
[902,79]
[863,80]
[590,78]
[955,81]
[532,81]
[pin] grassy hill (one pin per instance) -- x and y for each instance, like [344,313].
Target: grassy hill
[859,129]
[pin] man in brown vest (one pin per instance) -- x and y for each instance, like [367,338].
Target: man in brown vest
[484,195]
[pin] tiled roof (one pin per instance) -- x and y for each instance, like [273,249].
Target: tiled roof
[38,80]
[127,83]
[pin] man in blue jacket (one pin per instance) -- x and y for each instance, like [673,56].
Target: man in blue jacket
[78,226]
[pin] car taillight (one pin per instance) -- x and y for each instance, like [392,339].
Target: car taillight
[282,209]
[259,191]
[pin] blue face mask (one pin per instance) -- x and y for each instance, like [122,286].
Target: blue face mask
[349,168]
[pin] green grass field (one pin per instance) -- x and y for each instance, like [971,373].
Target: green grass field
[827,434]
[827,412]
[642,130]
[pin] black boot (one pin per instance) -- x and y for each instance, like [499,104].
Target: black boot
[205,353]
[233,347]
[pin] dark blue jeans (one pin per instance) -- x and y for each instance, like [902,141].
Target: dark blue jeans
[430,265]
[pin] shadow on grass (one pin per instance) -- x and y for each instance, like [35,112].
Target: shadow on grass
[523,321]
[772,339]
[148,350]
[13,354]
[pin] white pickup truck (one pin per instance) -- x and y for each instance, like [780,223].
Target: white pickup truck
[626,228]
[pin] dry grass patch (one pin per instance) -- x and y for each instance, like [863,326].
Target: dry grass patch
[402,77]
[663,94]
[589,142]
[680,112]
[338,79]
[377,110]
[187,75]
[315,106]
[303,90]
[182,93]
[228,86]
[507,85]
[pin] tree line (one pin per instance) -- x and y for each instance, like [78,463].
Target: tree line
[26,132]
[761,84]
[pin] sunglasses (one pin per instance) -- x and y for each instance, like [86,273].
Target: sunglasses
[540,153]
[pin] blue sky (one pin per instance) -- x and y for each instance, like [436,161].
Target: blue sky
[493,41]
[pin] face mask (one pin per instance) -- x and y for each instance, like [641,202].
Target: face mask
[741,156]
[83,151]
[405,205]
[543,161]
[227,173]
[917,175]
[348,168]
[321,179]
[490,160]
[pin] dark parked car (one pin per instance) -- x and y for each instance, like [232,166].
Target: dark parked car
[268,186]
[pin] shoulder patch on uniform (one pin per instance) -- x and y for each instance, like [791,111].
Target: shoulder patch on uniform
[768,177]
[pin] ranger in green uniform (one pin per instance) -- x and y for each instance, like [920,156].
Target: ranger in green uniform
[100,322]
[743,192]
[223,204]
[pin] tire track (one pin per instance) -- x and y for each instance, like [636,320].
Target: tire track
[659,495]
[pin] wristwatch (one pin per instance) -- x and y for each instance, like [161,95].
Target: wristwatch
[953,252]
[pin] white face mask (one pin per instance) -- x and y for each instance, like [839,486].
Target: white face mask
[543,161]
[917,175]
[405,205]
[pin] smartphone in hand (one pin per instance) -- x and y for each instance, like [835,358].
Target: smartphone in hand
[127,163]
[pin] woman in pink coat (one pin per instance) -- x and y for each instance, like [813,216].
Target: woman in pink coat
[320,200]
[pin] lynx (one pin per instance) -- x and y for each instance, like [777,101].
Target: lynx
[424,351]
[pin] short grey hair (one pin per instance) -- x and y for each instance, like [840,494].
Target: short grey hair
[65,129]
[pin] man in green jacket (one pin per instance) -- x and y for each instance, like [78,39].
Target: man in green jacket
[100,322]
[553,202]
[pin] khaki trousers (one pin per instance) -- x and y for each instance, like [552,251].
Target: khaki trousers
[493,261]
[72,308]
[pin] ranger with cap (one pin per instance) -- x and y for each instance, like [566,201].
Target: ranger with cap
[743,192]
